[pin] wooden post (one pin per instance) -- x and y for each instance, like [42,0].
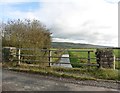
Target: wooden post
[88,59]
[18,56]
[49,57]
[114,62]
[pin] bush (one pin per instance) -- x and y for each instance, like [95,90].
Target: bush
[27,34]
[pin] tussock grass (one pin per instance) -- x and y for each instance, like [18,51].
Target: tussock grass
[108,74]
[76,73]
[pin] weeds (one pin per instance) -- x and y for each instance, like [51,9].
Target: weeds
[76,73]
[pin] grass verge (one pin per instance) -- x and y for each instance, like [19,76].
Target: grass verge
[76,73]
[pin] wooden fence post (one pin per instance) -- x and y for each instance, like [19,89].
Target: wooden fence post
[49,58]
[88,59]
[19,52]
[114,62]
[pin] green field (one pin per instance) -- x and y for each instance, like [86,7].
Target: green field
[117,52]
[77,61]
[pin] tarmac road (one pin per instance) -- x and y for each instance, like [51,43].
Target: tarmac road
[19,81]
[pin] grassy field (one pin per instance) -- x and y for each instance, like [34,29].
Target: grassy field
[117,52]
[79,56]
[77,61]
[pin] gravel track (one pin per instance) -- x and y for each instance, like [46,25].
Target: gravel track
[64,60]
[19,81]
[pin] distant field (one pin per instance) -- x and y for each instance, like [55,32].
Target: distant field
[74,60]
[116,52]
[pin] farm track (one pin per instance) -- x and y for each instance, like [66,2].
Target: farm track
[63,60]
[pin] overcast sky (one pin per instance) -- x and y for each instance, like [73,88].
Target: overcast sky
[78,21]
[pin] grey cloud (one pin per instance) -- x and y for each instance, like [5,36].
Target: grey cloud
[76,20]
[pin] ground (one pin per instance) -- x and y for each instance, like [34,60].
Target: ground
[19,81]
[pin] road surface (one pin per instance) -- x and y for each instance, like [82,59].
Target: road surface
[64,60]
[19,81]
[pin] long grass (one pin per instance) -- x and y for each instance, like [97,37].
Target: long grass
[76,73]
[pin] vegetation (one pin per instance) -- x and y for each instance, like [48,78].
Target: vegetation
[117,52]
[75,73]
[81,57]
[76,61]
[56,54]
[74,45]
[32,34]
[25,34]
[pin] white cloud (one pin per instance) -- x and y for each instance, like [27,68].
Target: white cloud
[92,21]
[86,21]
